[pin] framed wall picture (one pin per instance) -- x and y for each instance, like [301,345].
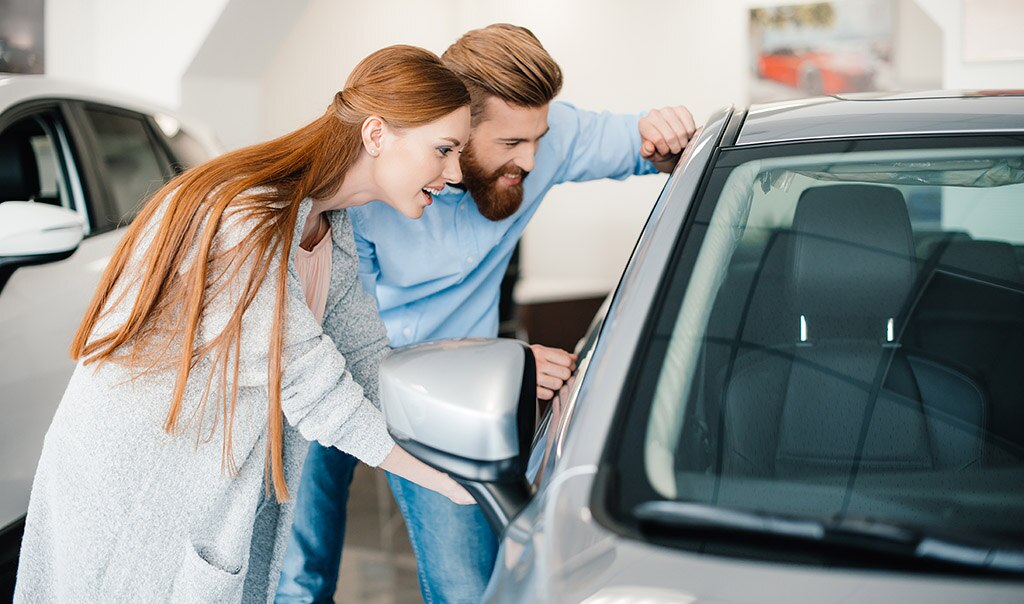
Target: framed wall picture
[818,48]
[21,36]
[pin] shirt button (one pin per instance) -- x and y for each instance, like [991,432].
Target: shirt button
[469,260]
[407,331]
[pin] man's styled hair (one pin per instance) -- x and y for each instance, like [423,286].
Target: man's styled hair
[505,61]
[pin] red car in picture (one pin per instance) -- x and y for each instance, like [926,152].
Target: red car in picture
[817,71]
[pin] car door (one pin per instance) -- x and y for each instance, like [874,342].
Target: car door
[39,305]
[103,162]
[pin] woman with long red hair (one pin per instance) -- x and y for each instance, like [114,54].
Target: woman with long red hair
[228,330]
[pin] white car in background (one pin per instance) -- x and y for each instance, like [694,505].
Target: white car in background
[75,165]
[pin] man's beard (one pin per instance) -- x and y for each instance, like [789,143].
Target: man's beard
[494,201]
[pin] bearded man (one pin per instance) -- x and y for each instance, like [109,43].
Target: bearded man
[440,277]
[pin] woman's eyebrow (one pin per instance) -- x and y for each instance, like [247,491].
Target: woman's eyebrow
[451,140]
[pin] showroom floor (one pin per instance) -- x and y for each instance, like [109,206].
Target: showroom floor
[377,566]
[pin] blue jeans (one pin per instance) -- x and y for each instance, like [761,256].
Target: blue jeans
[454,546]
[309,572]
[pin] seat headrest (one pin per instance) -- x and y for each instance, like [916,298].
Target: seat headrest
[19,175]
[852,252]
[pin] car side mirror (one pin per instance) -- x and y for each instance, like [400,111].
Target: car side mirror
[35,233]
[468,408]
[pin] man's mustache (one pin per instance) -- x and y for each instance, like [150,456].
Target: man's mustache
[513,170]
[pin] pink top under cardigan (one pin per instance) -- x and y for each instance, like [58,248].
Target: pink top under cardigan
[314,268]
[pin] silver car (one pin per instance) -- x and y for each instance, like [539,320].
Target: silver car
[75,165]
[808,386]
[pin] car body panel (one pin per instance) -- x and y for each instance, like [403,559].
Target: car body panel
[556,552]
[876,116]
[562,547]
[17,89]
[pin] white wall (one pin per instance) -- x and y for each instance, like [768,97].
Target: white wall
[269,67]
[223,83]
[139,47]
[230,105]
[960,74]
[918,50]
[326,41]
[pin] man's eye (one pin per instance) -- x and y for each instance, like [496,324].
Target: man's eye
[511,144]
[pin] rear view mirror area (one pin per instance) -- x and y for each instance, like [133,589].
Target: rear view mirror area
[468,408]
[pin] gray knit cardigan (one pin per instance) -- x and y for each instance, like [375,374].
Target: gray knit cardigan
[123,512]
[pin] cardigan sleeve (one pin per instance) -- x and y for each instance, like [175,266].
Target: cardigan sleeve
[354,323]
[319,395]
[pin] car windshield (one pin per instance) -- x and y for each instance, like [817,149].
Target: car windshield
[848,343]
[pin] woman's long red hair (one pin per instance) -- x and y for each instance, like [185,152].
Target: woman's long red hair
[181,272]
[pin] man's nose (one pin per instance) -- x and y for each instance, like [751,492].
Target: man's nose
[524,159]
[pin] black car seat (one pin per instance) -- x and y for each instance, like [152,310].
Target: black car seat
[843,392]
[19,174]
[926,242]
[971,314]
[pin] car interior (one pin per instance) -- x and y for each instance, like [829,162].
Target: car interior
[28,165]
[865,358]
[845,348]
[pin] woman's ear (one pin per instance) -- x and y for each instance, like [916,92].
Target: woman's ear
[373,132]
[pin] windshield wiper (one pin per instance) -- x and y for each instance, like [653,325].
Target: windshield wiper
[857,533]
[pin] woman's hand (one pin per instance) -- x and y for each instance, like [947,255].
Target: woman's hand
[455,491]
[401,463]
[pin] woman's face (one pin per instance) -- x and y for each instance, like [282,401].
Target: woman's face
[413,164]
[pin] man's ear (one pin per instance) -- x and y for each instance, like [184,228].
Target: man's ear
[372,132]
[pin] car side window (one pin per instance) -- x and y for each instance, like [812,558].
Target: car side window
[36,164]
[132,165]
[842,338]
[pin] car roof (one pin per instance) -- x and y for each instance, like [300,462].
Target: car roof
[884,115]
[16,89]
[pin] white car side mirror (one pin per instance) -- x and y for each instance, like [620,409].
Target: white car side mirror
[35,233]
[32,233]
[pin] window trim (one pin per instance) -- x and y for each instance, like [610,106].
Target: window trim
[175,164]
[55,112]
[97,173]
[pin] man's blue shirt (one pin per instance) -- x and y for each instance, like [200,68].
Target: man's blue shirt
[439,276]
